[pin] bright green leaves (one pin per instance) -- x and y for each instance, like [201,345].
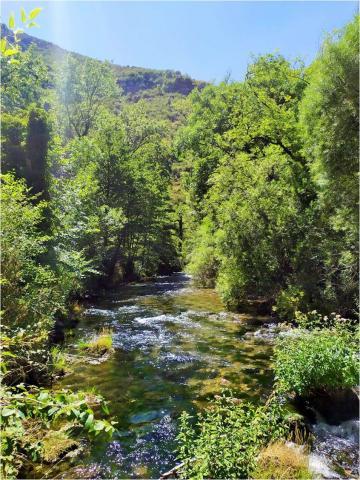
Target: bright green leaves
[329,124]
[10,49]
[46,410]
[23,80]
[227,438]
[11,21]
[245,172]
[34,13]
[319,360]
[23,15]
[277,192]
[26,19]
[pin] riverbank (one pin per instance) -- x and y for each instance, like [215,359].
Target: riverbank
[175,347]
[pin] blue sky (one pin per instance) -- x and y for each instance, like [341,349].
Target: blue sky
[206,40]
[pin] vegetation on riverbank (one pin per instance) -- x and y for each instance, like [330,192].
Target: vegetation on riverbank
[270,182]
[99,344]
[228,437]
[38,425]
[253,187]
[234,439]
[324,359]
[282,461]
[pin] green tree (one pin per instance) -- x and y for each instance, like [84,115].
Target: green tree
[330,122]
[247,180]
[85,86]
[23,81]
[37,140]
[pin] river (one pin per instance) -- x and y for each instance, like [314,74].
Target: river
[175,346]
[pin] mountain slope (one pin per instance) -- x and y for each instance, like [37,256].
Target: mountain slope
[136,82]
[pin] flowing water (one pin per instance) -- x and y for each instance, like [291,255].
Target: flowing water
[175,347]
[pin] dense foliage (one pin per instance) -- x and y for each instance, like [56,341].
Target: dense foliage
[85,194]
[270,175]
[318,360]
[228,437]
[39,425]
[252,185]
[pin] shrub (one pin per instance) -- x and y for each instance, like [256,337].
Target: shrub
[25,355]
[203,267]
[33,293]
[204,262]
[282,462]
[314,319]
[231,283]
[29,418]
[319,359]
[288,303]
[227,438]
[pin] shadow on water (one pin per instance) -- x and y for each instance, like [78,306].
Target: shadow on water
[175,347]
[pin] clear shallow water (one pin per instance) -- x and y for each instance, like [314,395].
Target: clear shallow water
[336,450]
[175,347]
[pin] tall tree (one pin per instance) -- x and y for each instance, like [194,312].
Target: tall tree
[330,122]
[85,86]
[37,141]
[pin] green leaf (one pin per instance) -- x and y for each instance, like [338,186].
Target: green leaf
[34,13]
[33,24]
[11,21]
[99,425]
[6,412]
[23,15]
[89,421]
[6,354]
[3,44]
[43,396]
[10,52]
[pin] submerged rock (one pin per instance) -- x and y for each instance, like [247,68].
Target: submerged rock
[145,417]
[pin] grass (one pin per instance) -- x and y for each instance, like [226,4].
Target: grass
[59,361]
[99,344]
[282,462]
[56,445]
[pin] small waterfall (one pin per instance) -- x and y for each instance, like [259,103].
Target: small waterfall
[336,450]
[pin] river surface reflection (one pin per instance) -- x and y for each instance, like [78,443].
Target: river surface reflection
[175,347]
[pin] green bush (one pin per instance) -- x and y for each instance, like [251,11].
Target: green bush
[204,262]
[203,267]
[314,319]
[231,283]
[288,302]
[227,438]
[29,417]
[319,359]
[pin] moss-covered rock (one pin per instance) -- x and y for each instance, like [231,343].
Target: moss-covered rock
[56,445]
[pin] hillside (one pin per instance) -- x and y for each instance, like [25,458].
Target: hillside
[136,82]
